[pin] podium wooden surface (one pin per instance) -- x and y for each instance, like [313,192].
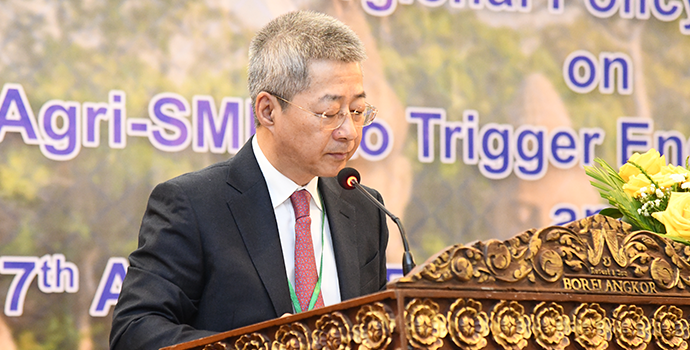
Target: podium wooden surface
[592,284]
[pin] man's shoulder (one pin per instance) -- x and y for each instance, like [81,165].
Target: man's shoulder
[236,167]
[213,172]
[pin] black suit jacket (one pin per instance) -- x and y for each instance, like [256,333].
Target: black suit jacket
[209,257]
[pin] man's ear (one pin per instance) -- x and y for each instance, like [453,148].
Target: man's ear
[266,105]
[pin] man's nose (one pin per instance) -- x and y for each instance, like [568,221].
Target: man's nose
[347,129]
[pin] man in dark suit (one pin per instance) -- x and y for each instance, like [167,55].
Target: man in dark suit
[269,231]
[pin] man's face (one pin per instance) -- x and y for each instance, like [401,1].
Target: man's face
[303,148]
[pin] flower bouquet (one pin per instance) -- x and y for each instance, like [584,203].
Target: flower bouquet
[647,193]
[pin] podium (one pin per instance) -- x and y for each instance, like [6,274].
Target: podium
[591,284]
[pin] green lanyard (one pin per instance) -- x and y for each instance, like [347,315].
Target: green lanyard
[317,288]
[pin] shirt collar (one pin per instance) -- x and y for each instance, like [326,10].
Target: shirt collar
[280,187]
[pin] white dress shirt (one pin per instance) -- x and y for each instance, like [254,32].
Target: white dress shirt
[280,188]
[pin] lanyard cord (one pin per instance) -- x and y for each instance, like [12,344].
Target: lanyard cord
[317,288]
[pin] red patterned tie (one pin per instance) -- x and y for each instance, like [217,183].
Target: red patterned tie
[305,264]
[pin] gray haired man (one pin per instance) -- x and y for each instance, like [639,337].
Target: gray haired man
[269,231]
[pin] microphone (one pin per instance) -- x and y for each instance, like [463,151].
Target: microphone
[348,178]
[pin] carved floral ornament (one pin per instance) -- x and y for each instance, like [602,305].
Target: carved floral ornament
[216,346]
[595,253]
[332,332]
[254,341]
[425,325]
[670,328]
[469,327]
[548,326]
[294,336]
[373,330]
[591,327]
[510,326]
[632,327]
[551,326]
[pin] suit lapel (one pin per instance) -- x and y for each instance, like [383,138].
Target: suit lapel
[250,206]
[342,222]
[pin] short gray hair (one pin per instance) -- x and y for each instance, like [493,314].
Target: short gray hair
[280,53]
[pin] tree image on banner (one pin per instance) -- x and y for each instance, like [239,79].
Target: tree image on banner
[471,99]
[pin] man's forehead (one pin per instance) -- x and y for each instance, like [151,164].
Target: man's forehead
[334,97]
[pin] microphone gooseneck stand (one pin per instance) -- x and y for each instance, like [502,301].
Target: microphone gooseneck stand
[348,178]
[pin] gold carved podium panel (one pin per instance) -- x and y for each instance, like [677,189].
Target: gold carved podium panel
[592,284]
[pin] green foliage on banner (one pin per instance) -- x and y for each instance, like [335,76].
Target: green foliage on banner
[60,333]
[79,51]
[89,208]
[458,60]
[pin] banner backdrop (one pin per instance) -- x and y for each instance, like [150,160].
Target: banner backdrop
[488,111]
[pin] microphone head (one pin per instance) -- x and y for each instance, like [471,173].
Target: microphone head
[348,177]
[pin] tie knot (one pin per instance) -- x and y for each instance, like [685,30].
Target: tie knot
[300,203]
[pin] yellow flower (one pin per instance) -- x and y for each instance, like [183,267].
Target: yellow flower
[664,180]
[641,182]
[672,169]
[651,162]
[678,175]
[676,217]
[635,183]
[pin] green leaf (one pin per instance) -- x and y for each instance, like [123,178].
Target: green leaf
[610,187]
[612,212]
